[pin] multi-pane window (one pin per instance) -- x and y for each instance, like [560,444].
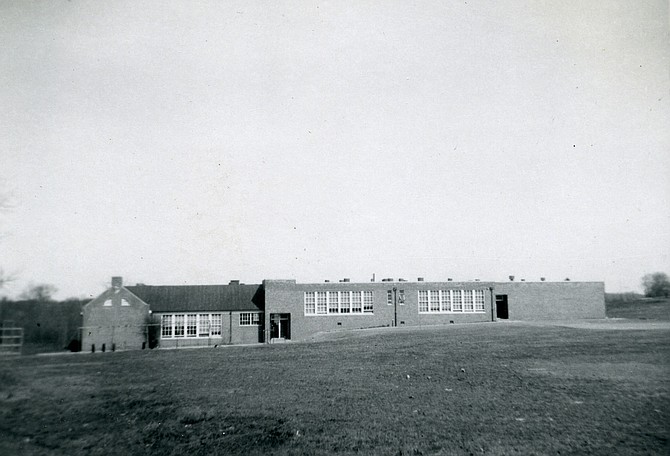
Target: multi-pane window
[434,300]
[215,327]
[333,302]
[449,301]
[356,302]
[203,325]
[479,300]
[457,300]
[368,302]
[250,319]
[310,303]
[423,301]
[468,303]
[338,302]
[179,325]
[191,325]
[321,302]
[445,302]
[166,325]
[345,302]
[400,297]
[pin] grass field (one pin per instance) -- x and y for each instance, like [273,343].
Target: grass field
[494,388]
[640,309]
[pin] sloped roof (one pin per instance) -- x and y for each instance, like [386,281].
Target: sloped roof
[192,298]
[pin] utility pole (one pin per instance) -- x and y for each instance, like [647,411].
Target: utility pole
[395,306]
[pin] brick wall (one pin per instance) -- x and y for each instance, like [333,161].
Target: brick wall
[286,296]
[231,333]
[553,300]
[117,326]
[123,326]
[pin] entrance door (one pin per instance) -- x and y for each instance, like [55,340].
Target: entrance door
[502,311]
[280,326]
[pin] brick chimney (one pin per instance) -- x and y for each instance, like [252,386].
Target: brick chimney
[117,282]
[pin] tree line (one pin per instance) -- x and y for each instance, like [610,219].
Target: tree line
[48,325]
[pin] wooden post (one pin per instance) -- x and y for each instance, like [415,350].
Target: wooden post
[230,327]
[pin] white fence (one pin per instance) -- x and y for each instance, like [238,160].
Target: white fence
[11,341]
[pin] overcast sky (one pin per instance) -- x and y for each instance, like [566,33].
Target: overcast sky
[199,142]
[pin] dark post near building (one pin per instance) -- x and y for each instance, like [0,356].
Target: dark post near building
[395,306]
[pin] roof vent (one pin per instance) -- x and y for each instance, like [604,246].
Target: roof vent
[542,279]
[234,282]
[511,278]
[419,279]
[449,279]
[327,281]
[346,279]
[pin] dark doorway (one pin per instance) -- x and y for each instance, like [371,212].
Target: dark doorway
[280,326]
[502,310]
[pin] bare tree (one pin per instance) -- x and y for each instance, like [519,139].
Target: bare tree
[42,292]
[5,278]
[5,205]
[656,285]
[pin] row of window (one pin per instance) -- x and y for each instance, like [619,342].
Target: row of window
[200,325]
[360,302]
[447,301]
[338,302]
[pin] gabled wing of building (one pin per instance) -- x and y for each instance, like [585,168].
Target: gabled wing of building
[201,298]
